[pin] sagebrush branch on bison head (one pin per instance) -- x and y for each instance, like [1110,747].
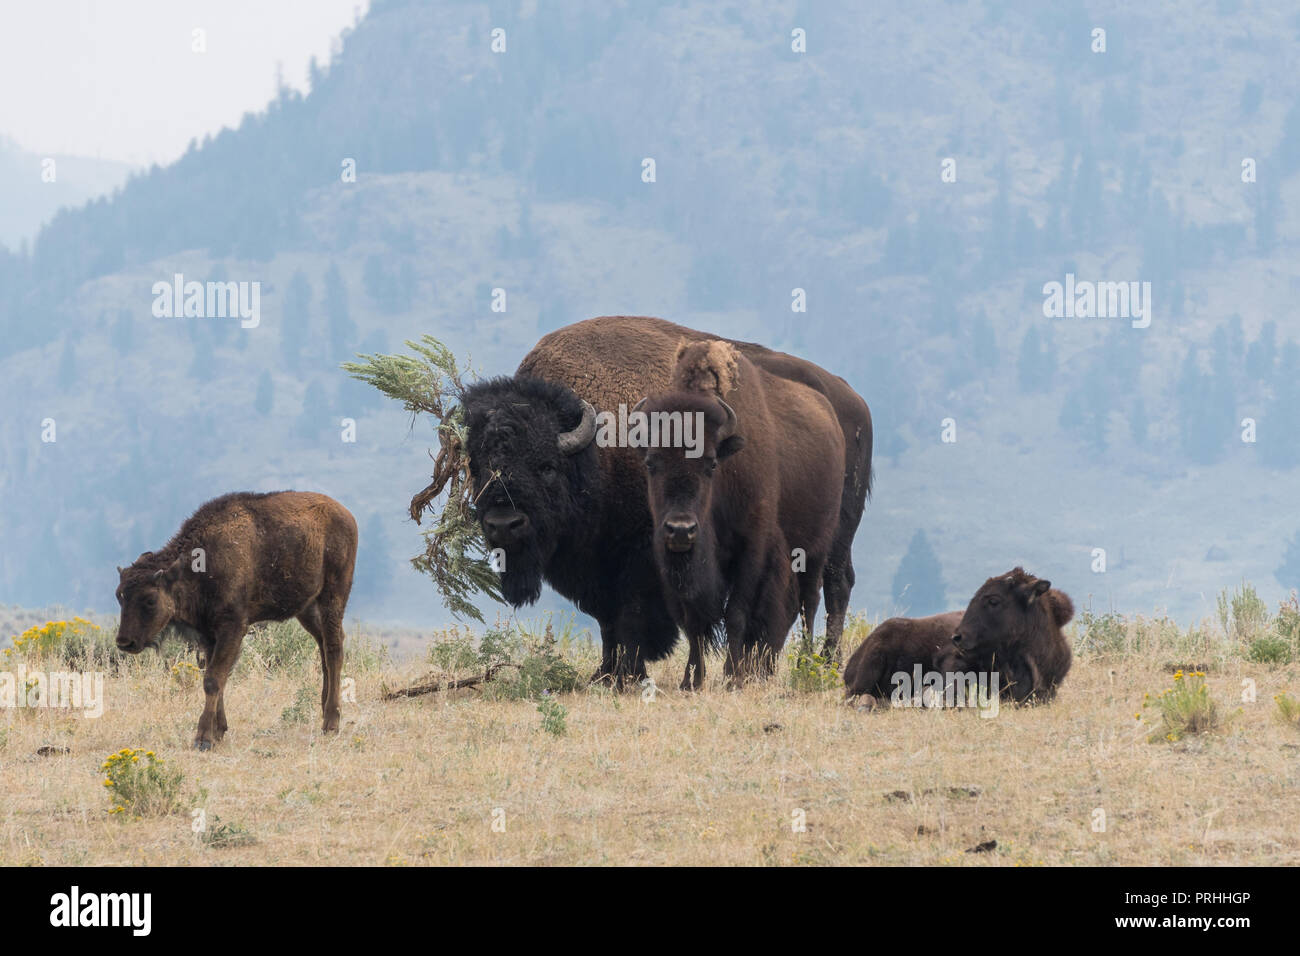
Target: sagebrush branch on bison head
[455,555]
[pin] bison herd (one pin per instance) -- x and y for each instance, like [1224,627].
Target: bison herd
[723,506]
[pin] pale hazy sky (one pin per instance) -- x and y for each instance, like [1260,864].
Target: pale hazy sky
[118,78]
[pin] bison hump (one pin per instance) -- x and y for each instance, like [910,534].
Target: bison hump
[709,366]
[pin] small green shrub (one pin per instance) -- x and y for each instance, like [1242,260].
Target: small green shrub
[810,671]
[224,836]
[525,665]
[1102,633]
[1288,710]
[279,646]
[545,671]
[454,653]
[1185,708]
[141,783]
[303,707]
[1269,649]
[76,644]
[1243,615]
[554,715]
[186,674]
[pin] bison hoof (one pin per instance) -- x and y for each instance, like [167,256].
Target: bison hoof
[203,745]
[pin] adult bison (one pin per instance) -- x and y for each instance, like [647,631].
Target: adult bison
[744,504]
[1013,624]
[1012,627]
[240,559]
[574,515]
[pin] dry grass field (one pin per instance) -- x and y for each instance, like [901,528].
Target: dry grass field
[718,777]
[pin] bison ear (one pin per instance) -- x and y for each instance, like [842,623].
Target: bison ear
[730,445]
[170,574]
[1037,590]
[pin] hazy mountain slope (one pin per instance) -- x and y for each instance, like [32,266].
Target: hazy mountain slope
[29,198]
[774,171]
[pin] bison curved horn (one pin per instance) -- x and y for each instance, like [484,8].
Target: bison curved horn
[637,407]
[580,437]
[729,426]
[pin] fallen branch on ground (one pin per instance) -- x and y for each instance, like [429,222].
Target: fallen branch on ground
[433,687]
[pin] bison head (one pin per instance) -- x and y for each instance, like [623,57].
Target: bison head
[1004,612]
[145,595]
[681,489]
[534,468]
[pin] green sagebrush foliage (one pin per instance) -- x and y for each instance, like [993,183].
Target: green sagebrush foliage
[525,666]
[455,553]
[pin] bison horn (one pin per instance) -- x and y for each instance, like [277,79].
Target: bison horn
[637,407]
[729,426]
[580,437]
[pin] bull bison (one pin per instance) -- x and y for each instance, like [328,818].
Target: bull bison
[1011,627]
[744,519]
[240,559]
[565,511]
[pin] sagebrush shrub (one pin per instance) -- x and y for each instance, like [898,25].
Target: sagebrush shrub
[141,783]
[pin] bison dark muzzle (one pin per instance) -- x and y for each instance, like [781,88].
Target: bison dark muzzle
[679,533]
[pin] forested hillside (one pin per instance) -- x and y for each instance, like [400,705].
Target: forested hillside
[779,178]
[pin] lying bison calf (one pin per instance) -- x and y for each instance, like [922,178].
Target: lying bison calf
[244,558]
[1011,628]
[888,658]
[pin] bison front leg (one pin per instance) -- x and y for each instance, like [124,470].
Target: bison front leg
[736,668]
[604,674]
[212,722]
[220,727]
[693,679]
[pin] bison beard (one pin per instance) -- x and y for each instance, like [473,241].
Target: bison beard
[521,582]
[695,578]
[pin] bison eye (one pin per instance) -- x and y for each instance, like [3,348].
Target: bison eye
[993,600]
[547,471]
[712,465]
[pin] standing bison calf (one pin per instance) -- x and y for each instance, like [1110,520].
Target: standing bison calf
[761,486]
[240,559]
[1012,628]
